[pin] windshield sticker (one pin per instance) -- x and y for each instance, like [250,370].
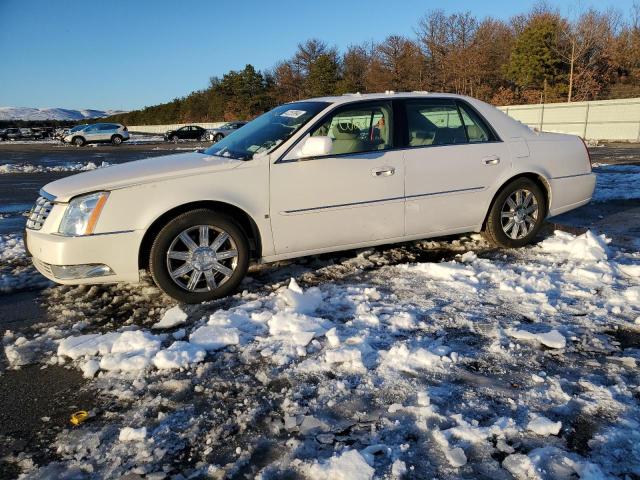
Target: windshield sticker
[293,113]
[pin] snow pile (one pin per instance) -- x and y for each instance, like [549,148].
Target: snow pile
[401,358]
[11,247]
[299,301]
[16,271]
[12,168]
[587,247]
[178,355]
[128,434]
[350,465]
[126,351]
[172,318]
[543,426]
[551,339]
[213,337]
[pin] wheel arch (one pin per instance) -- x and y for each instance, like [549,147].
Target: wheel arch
[537,178]
[245,221]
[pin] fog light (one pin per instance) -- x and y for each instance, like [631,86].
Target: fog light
[73,272]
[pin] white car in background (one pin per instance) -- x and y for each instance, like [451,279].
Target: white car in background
[217,134]
[113,133]
[313,176]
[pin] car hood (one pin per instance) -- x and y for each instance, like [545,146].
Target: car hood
[138,172]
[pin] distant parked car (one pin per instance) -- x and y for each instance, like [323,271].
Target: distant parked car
[189,132]
[217,134]
[13,134]
[37,133]
[97,133]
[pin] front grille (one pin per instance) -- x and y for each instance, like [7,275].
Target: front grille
[39,213]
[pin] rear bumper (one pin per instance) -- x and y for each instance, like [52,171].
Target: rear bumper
[118,251]
[568,193]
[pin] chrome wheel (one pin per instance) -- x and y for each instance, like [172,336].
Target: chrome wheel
[519,214]
[202,258]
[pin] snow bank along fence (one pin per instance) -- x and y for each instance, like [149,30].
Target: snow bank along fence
[596,120]
[160,129]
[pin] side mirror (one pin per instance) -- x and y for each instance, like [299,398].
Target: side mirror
[315,147]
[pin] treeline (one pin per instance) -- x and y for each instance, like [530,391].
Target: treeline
[539,56]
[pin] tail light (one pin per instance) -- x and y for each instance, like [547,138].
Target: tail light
[588,153]
[125,129]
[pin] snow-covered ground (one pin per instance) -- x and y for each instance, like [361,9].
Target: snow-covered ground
[617,182]
[437,359]
[490,363]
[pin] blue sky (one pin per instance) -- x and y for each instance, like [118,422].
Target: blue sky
[128,54]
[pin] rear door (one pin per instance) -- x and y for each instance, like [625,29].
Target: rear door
[91,133]
[104,132]
[452,158]
[353,195]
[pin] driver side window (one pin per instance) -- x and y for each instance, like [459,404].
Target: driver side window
[357,129]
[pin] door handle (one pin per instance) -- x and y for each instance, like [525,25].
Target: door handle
[491,160]
[383,171]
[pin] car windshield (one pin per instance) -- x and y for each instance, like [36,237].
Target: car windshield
[266,132]
[77,128]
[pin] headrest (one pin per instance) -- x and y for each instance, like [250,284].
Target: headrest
[475,133]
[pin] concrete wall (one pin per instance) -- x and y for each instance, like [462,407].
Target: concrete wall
[597,120]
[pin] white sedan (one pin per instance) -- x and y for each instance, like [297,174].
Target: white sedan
[307,177]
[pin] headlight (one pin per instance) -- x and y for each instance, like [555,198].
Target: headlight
[82,214]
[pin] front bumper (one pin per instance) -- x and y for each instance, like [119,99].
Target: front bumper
[118,251]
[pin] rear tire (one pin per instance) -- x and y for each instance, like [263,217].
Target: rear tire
[193,269]
[78,141]
[116,140]
[517,214]
[218,137]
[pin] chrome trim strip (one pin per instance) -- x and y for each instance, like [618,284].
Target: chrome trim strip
[571,176]
[93,234]
[341,205]
[391,199]
[460,190]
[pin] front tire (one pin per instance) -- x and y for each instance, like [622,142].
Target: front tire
[516,215]
[199,256]
[78,141]
[174,139]
[218,137]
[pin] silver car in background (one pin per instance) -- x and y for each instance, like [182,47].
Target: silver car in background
[217,134]
[97,133]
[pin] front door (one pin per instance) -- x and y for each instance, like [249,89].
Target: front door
[354,194]
[452,159]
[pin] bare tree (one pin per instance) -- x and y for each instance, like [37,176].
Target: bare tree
[583,44]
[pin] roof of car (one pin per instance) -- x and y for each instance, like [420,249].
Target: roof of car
[350,97]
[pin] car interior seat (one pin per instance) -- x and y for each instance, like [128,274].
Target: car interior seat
[346,138]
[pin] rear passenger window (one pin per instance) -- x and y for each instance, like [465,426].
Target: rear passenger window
[358,129]
[477,130]
[430,123]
